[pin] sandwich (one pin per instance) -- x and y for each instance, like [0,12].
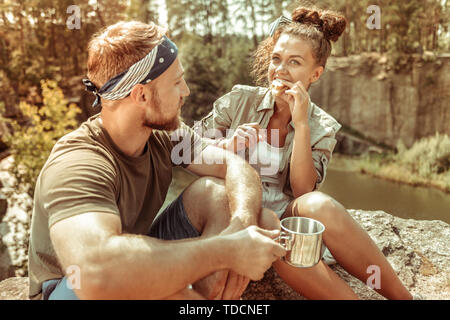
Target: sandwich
[277,88]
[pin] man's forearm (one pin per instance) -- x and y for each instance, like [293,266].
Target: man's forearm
[243,187]
[141,267]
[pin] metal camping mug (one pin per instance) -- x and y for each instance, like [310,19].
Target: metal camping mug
[302,237]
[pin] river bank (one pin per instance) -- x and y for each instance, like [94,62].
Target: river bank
[384,168]
[355,190]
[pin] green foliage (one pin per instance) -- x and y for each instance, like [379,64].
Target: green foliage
[35,42]
[205,18]
[142,10]
[211,70]
[427,157]
[425,163]
[407,27]
[31,142]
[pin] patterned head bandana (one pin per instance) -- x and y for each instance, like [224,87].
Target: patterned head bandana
[277,23]
[158,60]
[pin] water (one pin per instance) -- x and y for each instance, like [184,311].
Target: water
[359,191]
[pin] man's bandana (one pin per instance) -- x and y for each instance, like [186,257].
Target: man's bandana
[158,60]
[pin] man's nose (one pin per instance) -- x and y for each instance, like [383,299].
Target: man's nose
[186,91]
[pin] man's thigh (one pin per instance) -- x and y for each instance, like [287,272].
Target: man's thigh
[173,223]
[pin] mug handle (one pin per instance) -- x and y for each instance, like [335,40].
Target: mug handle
[284,239]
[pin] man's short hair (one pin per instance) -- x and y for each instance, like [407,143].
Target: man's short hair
[119,46]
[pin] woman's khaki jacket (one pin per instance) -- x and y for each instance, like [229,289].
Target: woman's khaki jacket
[245,104]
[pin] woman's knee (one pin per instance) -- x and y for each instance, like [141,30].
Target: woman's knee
[316,205]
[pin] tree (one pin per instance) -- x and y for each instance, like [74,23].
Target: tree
[31,143]
[142,10]
[36,44]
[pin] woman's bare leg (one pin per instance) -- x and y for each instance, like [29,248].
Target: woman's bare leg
[315,283]
[350,245]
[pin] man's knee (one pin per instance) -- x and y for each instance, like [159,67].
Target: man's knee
[205,188]
[206,200]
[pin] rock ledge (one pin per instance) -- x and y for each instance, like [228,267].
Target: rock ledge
[417,250]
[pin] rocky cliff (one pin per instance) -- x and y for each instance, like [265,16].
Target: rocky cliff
[362,92]
[14,225]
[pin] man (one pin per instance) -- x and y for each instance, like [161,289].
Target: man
[93,234]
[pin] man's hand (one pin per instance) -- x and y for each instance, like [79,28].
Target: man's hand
[253,251]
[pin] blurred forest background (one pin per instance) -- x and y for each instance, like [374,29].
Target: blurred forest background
[216,38]
[41,57]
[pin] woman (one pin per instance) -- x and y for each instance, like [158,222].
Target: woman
[301,138]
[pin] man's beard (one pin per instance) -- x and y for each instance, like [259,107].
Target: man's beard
[167,125]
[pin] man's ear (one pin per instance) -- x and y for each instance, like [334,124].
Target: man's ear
[316,74]
[139,95]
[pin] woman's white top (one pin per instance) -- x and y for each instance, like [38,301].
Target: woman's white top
[269,162]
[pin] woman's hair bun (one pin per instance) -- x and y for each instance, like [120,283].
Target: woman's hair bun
[331,23]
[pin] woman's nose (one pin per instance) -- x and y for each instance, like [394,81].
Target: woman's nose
[280,68]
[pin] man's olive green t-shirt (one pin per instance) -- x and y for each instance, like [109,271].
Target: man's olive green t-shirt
[87,172]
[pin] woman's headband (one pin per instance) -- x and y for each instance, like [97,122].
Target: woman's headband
[282,20]
[158,60]
[277,23]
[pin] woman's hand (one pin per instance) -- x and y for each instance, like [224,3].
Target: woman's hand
[246,136]
[298,99]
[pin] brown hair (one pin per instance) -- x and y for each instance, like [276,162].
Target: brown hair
[318,27]
[117,47]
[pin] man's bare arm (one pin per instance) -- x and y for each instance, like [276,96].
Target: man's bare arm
[123,266]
